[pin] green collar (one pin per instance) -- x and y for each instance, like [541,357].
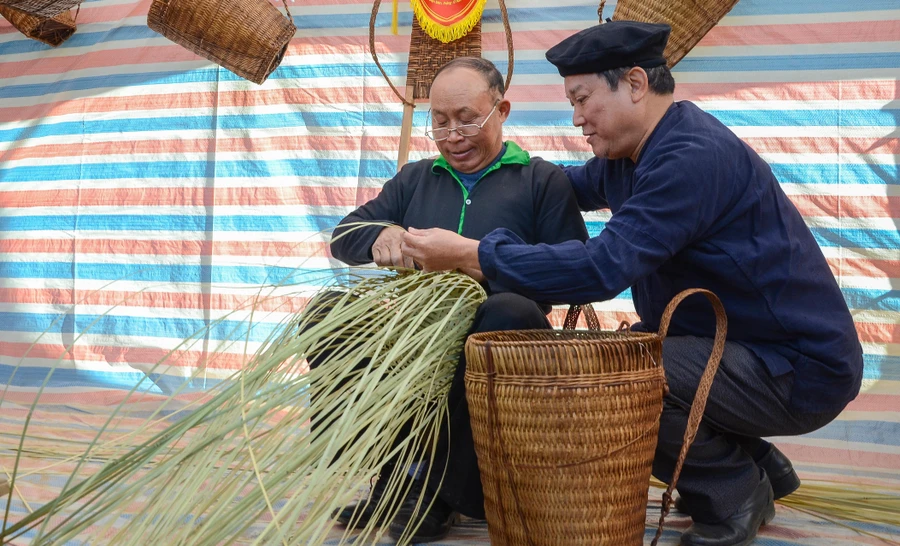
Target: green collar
[514,155]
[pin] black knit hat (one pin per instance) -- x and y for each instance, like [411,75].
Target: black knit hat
[611,45]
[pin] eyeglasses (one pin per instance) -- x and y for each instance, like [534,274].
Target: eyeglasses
[467,130]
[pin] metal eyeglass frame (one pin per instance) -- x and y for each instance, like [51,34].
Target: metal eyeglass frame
[476,127]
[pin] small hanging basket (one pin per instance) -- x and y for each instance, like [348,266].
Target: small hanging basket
[41,8]
[565,426]
[690,20]
[51,31]
[248,37]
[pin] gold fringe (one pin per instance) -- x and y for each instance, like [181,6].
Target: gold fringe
[443,33]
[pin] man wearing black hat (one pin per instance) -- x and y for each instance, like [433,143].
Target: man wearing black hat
[692,207]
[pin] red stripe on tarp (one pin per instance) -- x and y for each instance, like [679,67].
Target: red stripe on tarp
[132,356]
[182,197]
[162,247]
[857,206]
[147,299]
[797,34]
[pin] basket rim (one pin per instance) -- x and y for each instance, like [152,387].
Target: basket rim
[562,337]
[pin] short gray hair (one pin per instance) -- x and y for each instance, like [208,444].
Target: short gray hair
[486,68]
[659,78]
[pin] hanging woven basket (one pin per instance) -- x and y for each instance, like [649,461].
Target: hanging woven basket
[690,20]
[565,426]
[41,8]
[248,37]
[51,31]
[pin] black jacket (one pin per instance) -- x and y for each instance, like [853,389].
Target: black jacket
[529,196]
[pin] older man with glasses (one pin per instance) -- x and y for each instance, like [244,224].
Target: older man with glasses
[478,184]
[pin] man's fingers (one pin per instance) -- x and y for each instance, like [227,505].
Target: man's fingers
[396,256]
[408,262]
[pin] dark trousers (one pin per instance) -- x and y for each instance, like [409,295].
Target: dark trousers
[744,404]
[461,486]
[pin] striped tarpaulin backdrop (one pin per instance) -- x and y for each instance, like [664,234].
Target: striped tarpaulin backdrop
[146,193]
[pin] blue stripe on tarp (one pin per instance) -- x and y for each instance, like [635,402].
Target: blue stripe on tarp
[885,433]
[881,367]
[330,118]
[826,237]
[170,222]
[212,74]
[345,168]
[123,325]
[830,173]
[204,75]
[153,383]
[795,173]
[857,238]
[872,299]
[68,377]
[780,7]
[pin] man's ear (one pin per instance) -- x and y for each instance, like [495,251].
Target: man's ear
[503,108]
[638,84]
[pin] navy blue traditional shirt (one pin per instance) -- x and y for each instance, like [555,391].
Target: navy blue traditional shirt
[700,209]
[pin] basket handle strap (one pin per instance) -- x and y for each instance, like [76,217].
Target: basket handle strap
[589,314]
[699,405]
[375,7]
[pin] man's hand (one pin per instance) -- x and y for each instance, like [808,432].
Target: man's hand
[437,249]
[474,273]
[386,249]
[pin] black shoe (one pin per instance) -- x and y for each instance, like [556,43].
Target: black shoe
[780,471]
[741,527]
[430,524]
[358,514]
[781,474]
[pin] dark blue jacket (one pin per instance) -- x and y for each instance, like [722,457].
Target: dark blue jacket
[700,209]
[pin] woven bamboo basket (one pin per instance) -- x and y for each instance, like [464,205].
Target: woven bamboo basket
[565,426]
[427,56]
[690,20]
[51,31]
[41,8]
[248,37]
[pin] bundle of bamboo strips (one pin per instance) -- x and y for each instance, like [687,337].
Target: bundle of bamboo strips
[844,503]
[248,453]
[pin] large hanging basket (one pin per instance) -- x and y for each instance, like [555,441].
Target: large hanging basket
[248,37]
[565,426]
[690,20]
[41,8]
[51,31]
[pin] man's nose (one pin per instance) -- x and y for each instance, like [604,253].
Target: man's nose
[577,118]
[455,136]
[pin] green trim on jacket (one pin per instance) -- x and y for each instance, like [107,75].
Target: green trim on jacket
[514,155]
